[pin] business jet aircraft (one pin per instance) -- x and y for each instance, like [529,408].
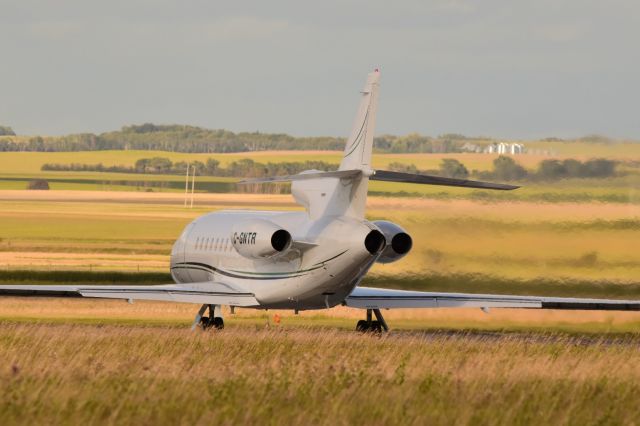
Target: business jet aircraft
[314,259]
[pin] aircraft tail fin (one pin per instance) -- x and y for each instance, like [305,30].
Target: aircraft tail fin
[357,152]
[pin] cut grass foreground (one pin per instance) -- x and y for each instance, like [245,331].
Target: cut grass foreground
[116,374]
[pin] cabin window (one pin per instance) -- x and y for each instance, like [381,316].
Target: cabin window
[197,242]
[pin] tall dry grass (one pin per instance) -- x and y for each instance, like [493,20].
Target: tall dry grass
[72,374]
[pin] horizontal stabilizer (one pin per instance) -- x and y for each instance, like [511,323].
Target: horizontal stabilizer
[387,176]
[343,174]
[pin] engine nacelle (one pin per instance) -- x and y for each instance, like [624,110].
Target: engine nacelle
[259,239]
[399,243]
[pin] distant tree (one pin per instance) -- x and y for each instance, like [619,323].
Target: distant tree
[401,167]
[38,184]
[36,144]
[180,167]
[573,168]
[450,167]
[551,170]
[200,167]
[453,136]
[598,168]
[6,131]
[505,168]
[596,139]
[212,166]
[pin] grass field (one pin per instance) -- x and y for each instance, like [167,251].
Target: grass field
[104,362]
[108,362]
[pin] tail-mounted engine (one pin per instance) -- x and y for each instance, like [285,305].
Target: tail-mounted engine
[259,239]
[399,243]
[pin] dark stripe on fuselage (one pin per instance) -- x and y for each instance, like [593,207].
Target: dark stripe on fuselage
[254,275]
[209,268]
[299,271]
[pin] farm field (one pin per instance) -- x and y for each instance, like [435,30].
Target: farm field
[82,361]
[521,242]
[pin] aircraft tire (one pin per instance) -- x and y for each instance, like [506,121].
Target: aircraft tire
[205,323]
[362,326]
[217,323]
[376,327]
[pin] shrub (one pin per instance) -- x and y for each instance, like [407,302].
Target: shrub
[38,184]
[452,168]
[505,168]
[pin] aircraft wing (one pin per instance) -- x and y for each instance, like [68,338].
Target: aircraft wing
[380,298]
[212,293]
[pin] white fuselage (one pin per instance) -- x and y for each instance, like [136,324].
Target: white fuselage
[326,261]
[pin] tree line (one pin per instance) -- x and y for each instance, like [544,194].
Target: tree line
[504,168]
[191,139]
[161,165]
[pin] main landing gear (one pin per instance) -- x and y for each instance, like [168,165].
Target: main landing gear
[212,321]
[369,325]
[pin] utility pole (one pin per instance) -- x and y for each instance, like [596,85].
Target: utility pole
[186,186]
[193,184]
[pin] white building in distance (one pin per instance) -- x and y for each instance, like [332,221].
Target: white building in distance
[504,148]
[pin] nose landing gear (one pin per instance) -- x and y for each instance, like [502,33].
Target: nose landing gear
[369,325]
[212,321]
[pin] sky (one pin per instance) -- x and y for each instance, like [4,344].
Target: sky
[507,69]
